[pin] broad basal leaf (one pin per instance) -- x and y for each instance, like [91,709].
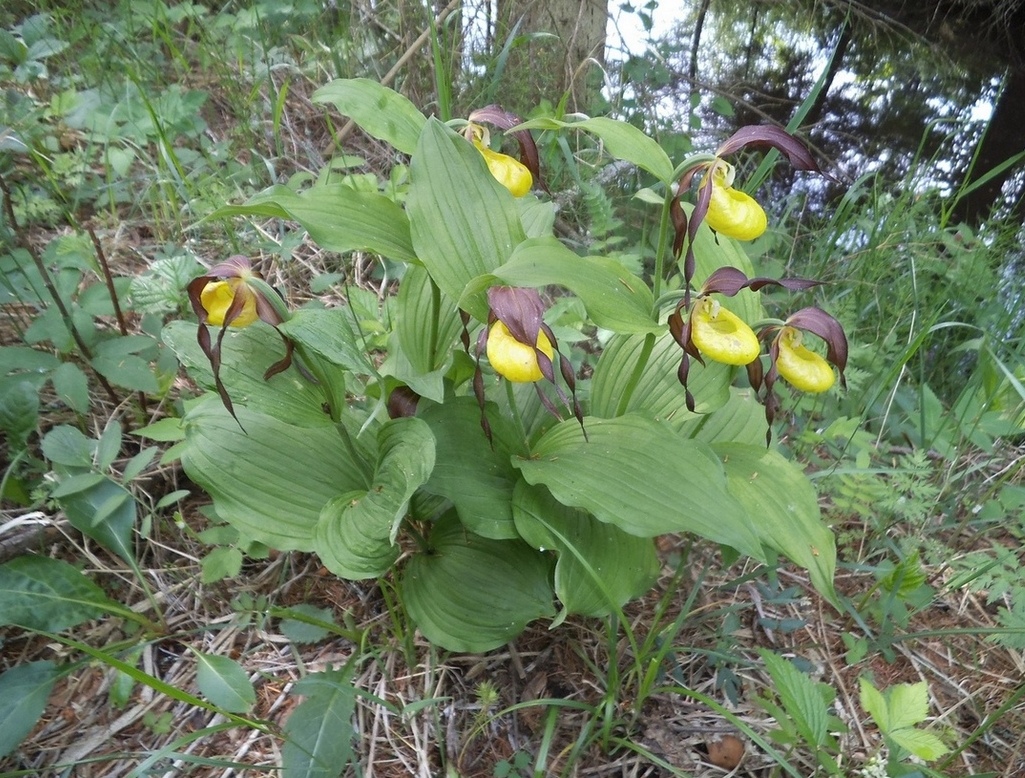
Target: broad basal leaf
[740,420]
[474,594]
[783,509]
[639,475]
[381,112]
[46,594]
[355,534]
[477,477]
[272,480]
[463,222]
[332,334]
[600,567]
[658,392]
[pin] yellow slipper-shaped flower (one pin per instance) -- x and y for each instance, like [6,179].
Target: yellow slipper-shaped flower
[217,296]
[721,335]
[509,171]
[803,368]
[513,360]
[732,212]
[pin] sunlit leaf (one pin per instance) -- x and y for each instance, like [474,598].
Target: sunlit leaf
[379,111]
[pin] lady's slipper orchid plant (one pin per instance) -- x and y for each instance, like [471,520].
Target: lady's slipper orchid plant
[521,348]
[516,175]
[233,294]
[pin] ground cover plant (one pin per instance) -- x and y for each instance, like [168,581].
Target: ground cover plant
[333,452]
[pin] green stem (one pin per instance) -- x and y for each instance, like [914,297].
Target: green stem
[635,377]
[663,246]
[432,340]
[358,458]
[515,410]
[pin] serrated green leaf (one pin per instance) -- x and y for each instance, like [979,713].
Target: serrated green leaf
[477,477]
[24,690]
[658,392]
[924,745]
[599,568]
[220,563]
[319,732]
[800,697]
[19,408]
[47,595]
[272,480]
[783,509]
[637,474]
[464,223]
[474,594]
[355,533]
[874,704]
[224,683]
[381,112]
[908,704]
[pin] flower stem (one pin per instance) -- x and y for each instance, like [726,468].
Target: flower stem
[663,246]
[635,377]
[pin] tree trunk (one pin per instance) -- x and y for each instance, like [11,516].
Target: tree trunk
[567,61]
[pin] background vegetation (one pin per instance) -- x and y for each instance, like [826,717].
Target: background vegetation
[124,126]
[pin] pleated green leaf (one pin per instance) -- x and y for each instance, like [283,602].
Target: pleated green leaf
[337,217]
[463,222]
[331,333]
[476,477]
[425,345]
[658,392]
[740,420]
[47,594]
[638,474]
[600,567]
[783,509]
[614,298]
[271,480]
[474,594]
[381,112]
[245,356]
[355,534]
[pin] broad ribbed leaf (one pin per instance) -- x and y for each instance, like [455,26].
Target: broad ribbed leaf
[224,683]
[337,217]
[463,222]
[740,420]
[614,298]
[245,356]
[425,342]
[477,477]
[272,480]
[48,595]
[473,594]
[638,474]
[658,392]
[381,112]
[355,534]
[600,567]
[24,690]
[330,333]
[319,732]
[783,509]
[621,140]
